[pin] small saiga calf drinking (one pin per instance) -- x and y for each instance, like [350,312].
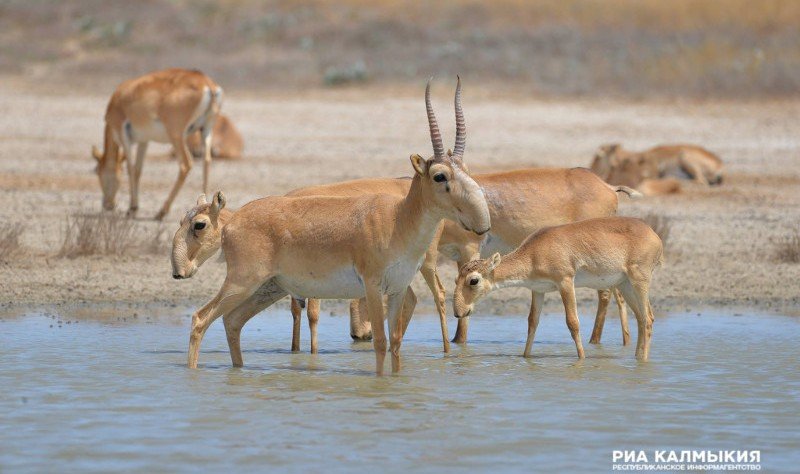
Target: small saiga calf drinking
[602,253]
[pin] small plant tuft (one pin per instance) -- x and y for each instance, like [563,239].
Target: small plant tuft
[103,234]
[108,234]
[787,249]
[10,246]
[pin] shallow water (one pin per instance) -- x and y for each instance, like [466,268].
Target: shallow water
[112,396]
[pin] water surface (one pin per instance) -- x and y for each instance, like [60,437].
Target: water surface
[115,395]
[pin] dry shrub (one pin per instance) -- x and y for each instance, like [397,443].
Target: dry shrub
[108,234]
[787,250]
[102,234]
[10,246]
[660,224]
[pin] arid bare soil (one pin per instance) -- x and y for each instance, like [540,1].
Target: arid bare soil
[721,249]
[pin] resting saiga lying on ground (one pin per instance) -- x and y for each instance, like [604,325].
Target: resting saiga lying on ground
[226,141]
[655,171]
[608,252]
[166,107]
[344,247]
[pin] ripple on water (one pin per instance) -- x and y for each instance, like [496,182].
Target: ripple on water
[102,396]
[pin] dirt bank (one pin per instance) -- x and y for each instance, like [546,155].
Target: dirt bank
[720,250]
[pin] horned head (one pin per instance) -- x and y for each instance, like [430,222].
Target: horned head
[199,235]
[445,178]
[474,281]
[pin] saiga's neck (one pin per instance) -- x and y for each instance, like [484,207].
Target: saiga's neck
[416,220]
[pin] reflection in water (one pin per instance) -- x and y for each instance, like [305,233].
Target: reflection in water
[101,397]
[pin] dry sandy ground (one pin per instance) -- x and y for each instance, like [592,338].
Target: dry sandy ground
[719,254]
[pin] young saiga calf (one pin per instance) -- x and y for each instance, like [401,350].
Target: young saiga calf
[601,253]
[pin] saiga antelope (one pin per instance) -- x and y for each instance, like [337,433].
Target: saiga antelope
[344,248]
[520,203]
[226,141]
[200,232]
[597,253]
[656,171]
[165,107]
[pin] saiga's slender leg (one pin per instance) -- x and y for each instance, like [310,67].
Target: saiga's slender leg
[537,300]
[409,304]
[637,299]
[206,135]
[567,290]
[236,319]
[297,314]
[135,177]
[360,326]
[376,317]
[312,311]
[603,297]
[228,298]
[623,316]
[431,276]
[185,163]
[399,306]
[127,148]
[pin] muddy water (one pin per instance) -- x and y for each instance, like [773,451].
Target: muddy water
[111,396]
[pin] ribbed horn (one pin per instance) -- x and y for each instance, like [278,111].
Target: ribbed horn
[436,136]
[461,126]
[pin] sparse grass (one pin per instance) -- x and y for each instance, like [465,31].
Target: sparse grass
[108,234]
[10,246]
[787,249]
[662,225]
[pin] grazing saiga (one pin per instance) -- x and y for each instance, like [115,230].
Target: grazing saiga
[607,252]
[344,247]
[165,107]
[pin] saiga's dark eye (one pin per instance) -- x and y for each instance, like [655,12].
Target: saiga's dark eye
[474,281]
[439,177]
[199,225]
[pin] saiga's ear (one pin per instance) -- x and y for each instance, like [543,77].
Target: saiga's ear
[201,199]
[419,164]
[217,204]
[96,154]
[496,258]
[219,200]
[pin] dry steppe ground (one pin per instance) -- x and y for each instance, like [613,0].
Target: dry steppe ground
[720,253]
